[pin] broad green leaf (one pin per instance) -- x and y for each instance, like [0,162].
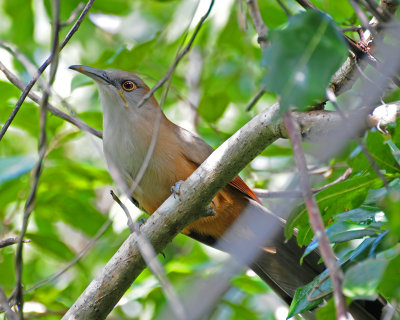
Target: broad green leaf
[380,152]
[250,285]
[327,311]
[361,280]
[7,267]
[310,295]
[212,107]
[241,312]
[340,197]
[345,231]
[8,91]
[359,215]
[389,284]
[21,30]
[302,58]
[13,167]
[51,245]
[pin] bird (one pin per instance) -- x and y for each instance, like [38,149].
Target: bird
[128,125]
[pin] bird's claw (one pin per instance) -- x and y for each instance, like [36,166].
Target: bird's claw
[175,190]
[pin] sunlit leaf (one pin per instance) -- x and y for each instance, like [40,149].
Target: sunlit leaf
[295,58]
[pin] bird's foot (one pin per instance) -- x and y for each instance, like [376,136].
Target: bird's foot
[175,190]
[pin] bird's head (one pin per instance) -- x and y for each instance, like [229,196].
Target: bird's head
[117,88]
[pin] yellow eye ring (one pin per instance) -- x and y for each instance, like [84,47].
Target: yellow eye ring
[129,85]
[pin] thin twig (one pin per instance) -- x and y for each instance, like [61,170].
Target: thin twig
[259,24]
[315,218]
[31,83]
[363,17]
[379,12]
[11,315]
[298,194]
[178,58]
[10,241]
[79,256]
[256,98]
[73,16]
[30,202]
[306,4]
[53,110]
[150,257]
[284,8]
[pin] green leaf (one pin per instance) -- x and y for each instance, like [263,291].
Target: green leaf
[13,167]
[379,151]
[51,245]
[327,312]
[21,30]
[340,197]
[389,284]
[345,231]
[212,107]
[302,58]
[241,312]
[249,285]
[358,215]
[310,295]
[361,280]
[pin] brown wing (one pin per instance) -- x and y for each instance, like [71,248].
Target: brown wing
[240,185]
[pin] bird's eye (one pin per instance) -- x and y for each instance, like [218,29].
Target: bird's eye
[128,85]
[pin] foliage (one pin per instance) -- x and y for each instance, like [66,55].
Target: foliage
[219,77]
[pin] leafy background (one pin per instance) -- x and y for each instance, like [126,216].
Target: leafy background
[209,93]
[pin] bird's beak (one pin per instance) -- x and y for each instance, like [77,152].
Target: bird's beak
[96,74]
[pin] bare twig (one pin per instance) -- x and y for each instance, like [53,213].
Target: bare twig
[73,16]
[29,205]
[79,256]
[178,58]
[256,98]
[315,218]
[10,241]
[150,257]
[258,22]
[31,83]
[284,8]
[306,4]
[53,110]
[379,12]
[11,315]
[298,194]
[362,16]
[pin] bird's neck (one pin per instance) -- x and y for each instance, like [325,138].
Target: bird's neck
[127,137]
